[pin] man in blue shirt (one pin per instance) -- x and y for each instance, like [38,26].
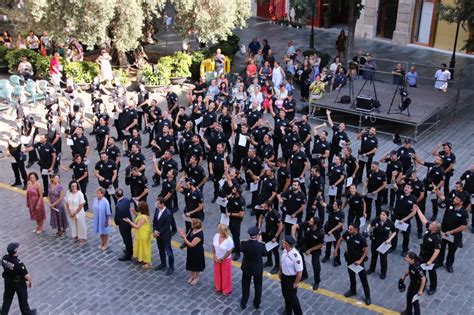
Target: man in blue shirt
[412,77]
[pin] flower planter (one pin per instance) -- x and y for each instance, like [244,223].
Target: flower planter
[155,88]
[177,81]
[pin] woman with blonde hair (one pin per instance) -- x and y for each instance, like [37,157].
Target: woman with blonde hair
[222,246]
[142,231]
[100,224]
[74,202]
[194,241]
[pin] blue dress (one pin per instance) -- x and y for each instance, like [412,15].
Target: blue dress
[101,214]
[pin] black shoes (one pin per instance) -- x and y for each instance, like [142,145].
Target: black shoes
[275,270]
[155,184]
[325,259]
[15,184]
[383,276]
[450,269]
[431,291]
[214,199]
[235,256]
[125,258]
[268,263]
[243,306]
[170,271]
[315,286]
[257,306]
[350,293]
[30,164]
[368,301]
[368,272]
[336,263]
[160,267]
[182,246]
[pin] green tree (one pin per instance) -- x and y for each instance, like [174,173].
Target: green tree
[463,12]
[355,9]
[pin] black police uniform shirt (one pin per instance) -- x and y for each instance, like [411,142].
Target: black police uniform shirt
[238,149]
[417,186]
[393,166]
[288,105]
[435,174]
[13,268]
[166,165]
[452,219]
[226,123]
[192,200]
[171,99]
[52,132]
[282,175]
[278,124]
[356,204]
[138,184]
[196,173]
[311,236]
[106,170]
[430,242]
[133,140]
[403,205]
[267,151]
[272,219]
[78,170]
[253,164]
[113,153]
[448,160]
[351,164]
[319,149]
[289,140]
[45,153]
[334,174]
[337,137]
[164,142]
[381,231]
[405,157]
[259,133]
[182,120]
[355,245]
[160,125]
[216,137]
[129,116]
[154,114]
[100,133]
[252,117]
[315,186]
[80,145]
[468,178]
[236,204]
[416,274]
[376,179]
[297,162]
[137,160]
[368,143]
[195,149]
[218,164]
[168,187]
[334,218]
[292,201]
[304,130]
[267,187]
[186,139]
[208,119]
[143,96]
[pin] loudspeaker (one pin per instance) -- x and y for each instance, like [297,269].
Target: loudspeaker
[364,103]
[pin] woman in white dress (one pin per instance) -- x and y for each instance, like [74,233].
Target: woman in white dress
[74,202]
[277,75]
[105,68]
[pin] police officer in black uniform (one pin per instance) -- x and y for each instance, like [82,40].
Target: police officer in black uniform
[453,224]
[283,178]
[298,163]
[193,199]
[196,172]
[394,169]
[80,174]
[138,185]
[106,173]
[235,210]
[449,160]
[468,178]
[268,191]
[217,164]
[336,176]
[80,143]
[16,278]
[418,191]
[252,267]
[404,210]
[168,191]
[430,248]
[339,137]
[163,166]
[273,229]
[281,122]
[356,253]
[405,155]
[434,177]
[315,193]
[374,184]
[356,204]
[368,147]
[311,244]
[293,203]
[47,159]
[382,230]
[333,226]
[417,283]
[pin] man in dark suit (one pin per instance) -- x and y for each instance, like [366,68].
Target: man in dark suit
[164,227]
[252,266]
[122,211]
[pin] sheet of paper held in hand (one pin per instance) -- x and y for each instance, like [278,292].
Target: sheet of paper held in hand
[270,245]
[401,226]
[355,268]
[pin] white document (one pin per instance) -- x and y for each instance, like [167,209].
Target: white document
[201,132]
[401,226]
[332,191]
[290,220]
[355,268]
[433,196]
[472,199]
[55,209]
[270,245]
[187,219]
[449,238]
[242,141]
[383,248]
[222,201]
[427,267]
[253,186]
[349,181]
[342,143]
[86,162]
[221,182]
[111,190]
[45,172]
[372,196]
[69,141]
[24,140]
[329,238]
[316,155]
[224,219]
[363,158]
[363,221]
[416,297]
[115,116]
[198,121]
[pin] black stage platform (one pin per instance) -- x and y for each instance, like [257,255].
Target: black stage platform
[427,106]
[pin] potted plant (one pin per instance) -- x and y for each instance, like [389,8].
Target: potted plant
[157,76]
[181,67]
[81,72]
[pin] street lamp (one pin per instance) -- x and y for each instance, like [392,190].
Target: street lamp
[311,38]
[452,63]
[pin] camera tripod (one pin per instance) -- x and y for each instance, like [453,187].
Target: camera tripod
[371,79]
[402,89]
